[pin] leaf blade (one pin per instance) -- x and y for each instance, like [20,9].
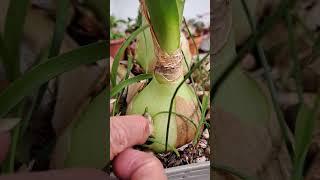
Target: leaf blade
[127,82]
[116,61]
[304,128]
[48,70]
[13,32]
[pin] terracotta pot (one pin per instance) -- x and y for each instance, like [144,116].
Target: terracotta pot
[197,40]
[115,46]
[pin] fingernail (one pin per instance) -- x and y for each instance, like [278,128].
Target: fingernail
[148,117]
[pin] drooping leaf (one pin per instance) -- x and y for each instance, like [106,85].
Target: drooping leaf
[116,61]
[127,82]
[303,136]
[13,33]
[48,70]
[89,136]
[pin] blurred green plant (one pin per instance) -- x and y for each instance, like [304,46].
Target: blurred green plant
[114,32]
[306,117]
[49,66]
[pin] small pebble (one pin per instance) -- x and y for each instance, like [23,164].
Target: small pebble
[205,134]
[207,151]
[203,143]
[201,159]
[187,158]
[199,93]
[182,148]
[200,151]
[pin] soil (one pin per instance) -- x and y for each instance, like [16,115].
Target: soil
[189,154]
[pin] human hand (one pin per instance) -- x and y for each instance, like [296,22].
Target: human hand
[125,132]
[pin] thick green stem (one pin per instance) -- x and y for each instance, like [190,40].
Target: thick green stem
[165,17]
[165,20]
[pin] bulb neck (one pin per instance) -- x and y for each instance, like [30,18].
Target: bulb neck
[168,67]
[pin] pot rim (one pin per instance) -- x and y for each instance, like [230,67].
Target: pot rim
[183,170]
[117,41]
[188,167]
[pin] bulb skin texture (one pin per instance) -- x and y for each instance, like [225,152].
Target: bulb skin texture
[156,98]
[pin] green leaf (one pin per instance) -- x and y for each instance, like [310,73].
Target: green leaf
[62,13]
[296,69]
[153,140]
[145,49]
[37,97]
[165,21]
[243,107]
[127,82]
[303,136]
[267,70]
[180,6]
[89,136]
[177,114]
[13,33]
[44,72]
[205,103]
[124,46]
[58,35]
[230,170]
[2,50]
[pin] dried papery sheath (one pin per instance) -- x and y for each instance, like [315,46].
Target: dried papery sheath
[169,66]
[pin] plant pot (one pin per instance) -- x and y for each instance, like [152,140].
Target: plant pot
[115,46]
[198,171]
[193,48]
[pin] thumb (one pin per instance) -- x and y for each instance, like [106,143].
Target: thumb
[4,145]
[127,131]
[138,165]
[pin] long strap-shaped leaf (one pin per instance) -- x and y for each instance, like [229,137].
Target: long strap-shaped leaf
[48,70]
[58,35]
[230,170]
[304,130]
[127,82]
[116,61]
[13,33]
[59,28]
[270,83]
[2,51]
